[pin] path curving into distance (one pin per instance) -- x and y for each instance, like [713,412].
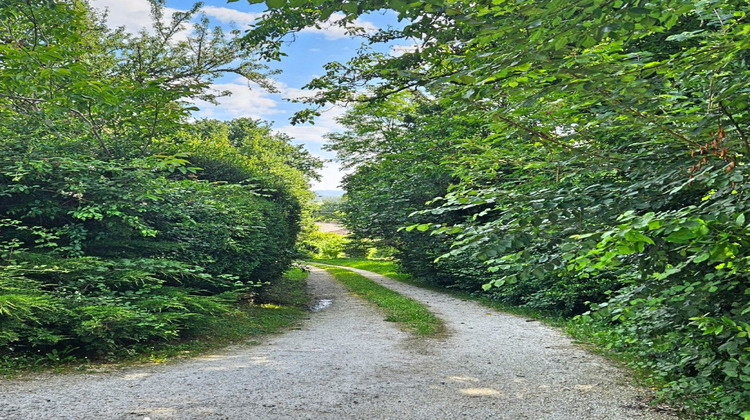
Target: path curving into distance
[346,363]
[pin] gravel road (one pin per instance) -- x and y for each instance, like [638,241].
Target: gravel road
[345,362]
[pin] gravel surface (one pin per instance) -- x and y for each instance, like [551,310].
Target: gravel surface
[345,362]
[332,228]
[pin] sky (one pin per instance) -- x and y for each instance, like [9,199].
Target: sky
[311,49]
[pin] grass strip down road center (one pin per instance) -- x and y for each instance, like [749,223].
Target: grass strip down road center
[383,267]
[411,315]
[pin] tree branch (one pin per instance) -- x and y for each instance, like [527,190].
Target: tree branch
[742,134]
[94,130]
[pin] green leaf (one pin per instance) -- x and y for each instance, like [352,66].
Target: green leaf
[635,236]
[350,8]
[625,250]
[638,10]
[681,236]
[730,369]
[399,5]
[701,257]
[275,4]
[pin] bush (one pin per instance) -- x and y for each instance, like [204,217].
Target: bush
[98,256]
[319,244]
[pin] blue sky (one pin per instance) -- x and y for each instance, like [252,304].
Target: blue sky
[311,49]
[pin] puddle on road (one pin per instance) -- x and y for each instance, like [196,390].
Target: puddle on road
[321,304]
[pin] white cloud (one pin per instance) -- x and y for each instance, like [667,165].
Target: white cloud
[324,124]
[135,15]
[314,136]
[306,133]
[290,93]
[330,177]
[226,15]
[399,50]
[332,31]
[296,93]
[246,100]
[329,116]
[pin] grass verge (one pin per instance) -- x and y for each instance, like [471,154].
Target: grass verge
[411,315]
[283,305]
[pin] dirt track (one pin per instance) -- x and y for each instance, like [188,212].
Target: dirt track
[345,362]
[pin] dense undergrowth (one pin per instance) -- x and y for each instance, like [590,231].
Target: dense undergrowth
[236,324]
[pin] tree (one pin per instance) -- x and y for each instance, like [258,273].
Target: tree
[256,140]
[113,92]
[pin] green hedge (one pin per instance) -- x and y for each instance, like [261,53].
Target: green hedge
[96,256]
